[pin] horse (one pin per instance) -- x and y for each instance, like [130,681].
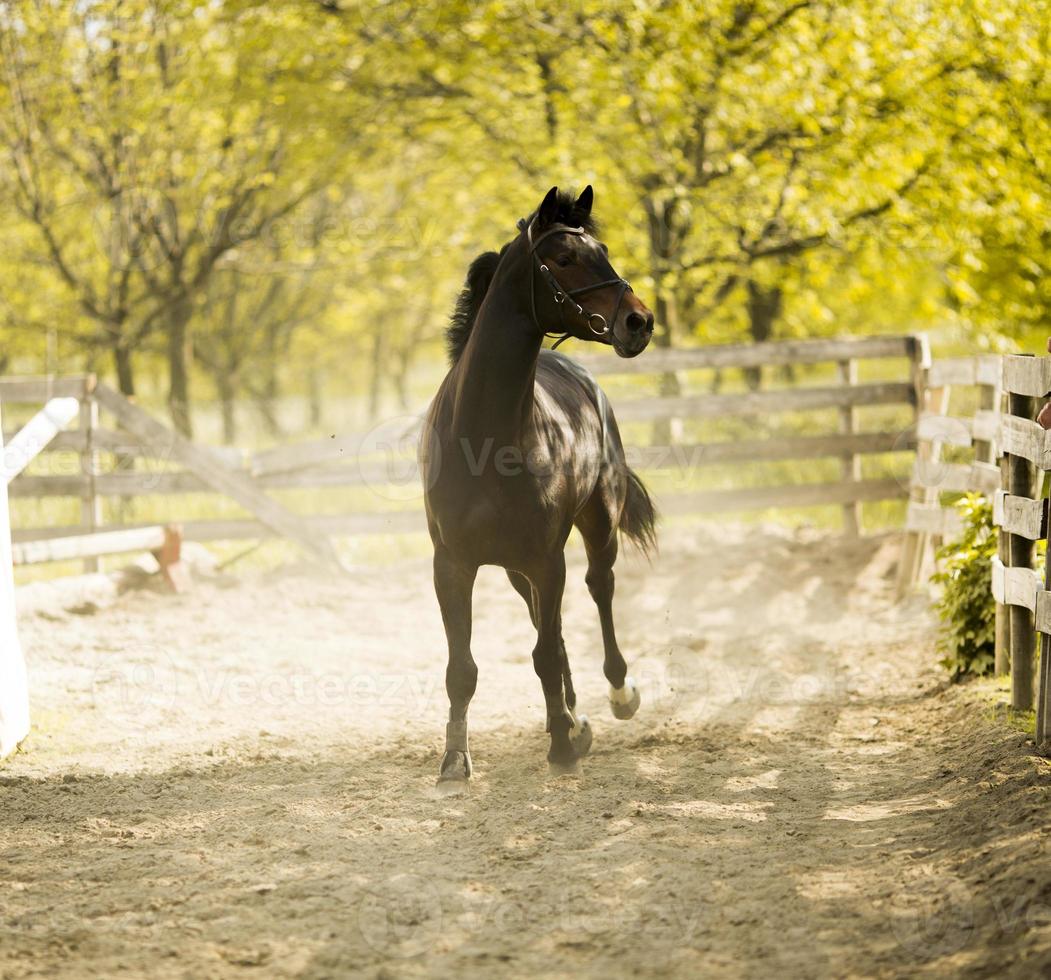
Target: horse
[519,445]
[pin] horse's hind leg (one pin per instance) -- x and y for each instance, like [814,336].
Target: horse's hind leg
[453,584]
[525,590]
[600,543]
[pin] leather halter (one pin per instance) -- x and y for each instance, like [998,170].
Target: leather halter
[562,296]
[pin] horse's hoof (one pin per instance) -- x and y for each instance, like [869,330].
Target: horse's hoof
[559,768]
[455,772]
[625,701]
[580,736]
[563,761]
[451,786]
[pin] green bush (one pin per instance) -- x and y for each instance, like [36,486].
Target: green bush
[966,607]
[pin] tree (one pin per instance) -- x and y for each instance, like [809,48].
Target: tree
[179,133]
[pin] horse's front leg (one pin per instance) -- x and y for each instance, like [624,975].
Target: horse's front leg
[570,735]
[525,590]
[454,584]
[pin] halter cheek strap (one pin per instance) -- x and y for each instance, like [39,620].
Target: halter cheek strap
[562,296]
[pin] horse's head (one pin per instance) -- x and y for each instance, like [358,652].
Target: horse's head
[578,292]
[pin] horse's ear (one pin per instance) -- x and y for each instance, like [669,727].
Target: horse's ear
[584,202]
[548,210]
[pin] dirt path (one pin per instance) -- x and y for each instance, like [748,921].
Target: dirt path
[241,780]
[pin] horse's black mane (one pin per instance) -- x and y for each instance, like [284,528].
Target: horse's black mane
[483,268]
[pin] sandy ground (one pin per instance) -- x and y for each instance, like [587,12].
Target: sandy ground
[240,781]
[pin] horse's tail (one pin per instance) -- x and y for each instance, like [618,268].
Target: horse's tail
[638,519]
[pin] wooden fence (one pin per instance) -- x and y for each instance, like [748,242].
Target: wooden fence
[125,452]
[122,451]
[930,516]
[847,395]
[1021,510]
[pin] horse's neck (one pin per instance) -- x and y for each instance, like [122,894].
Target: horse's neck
[498,364]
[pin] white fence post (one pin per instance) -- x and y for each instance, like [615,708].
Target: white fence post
[14,693]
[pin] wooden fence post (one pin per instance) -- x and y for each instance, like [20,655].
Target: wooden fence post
[1002,655]
[90,503]
[1020,549]
[848,416]
[1042,737]
[920,362]
[990,398]
[14,696]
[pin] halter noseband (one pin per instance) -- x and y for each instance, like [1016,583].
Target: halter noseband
[561,296]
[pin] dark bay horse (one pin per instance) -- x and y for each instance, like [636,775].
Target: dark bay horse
[520,445]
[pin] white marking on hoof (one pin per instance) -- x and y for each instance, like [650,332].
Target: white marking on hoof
[580,735]
[625,694]
[625,701]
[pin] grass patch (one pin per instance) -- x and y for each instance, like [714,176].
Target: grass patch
[993,695]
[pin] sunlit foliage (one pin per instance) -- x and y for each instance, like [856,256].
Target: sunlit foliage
[246,198]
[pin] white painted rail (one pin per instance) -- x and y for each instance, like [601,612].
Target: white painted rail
[14,694]
[35,435]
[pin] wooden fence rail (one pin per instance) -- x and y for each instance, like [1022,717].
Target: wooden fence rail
[115,449]
[929,518]
[119,451]
[1021,513]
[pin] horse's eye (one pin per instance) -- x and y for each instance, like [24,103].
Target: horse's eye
[564,260]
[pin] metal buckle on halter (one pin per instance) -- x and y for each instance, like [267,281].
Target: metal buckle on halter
[605,326]
[559,293]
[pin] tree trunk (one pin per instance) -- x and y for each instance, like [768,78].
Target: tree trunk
[401,377]
[666,431]
[404,356]
[667,227]
[266,401]
[179,355]
[316,395]
[764,307]
[379,357]
[125,374]
[226,387]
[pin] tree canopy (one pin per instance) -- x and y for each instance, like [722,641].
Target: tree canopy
[241,197]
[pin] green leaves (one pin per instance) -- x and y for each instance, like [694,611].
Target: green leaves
[966,606]
[883,165]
